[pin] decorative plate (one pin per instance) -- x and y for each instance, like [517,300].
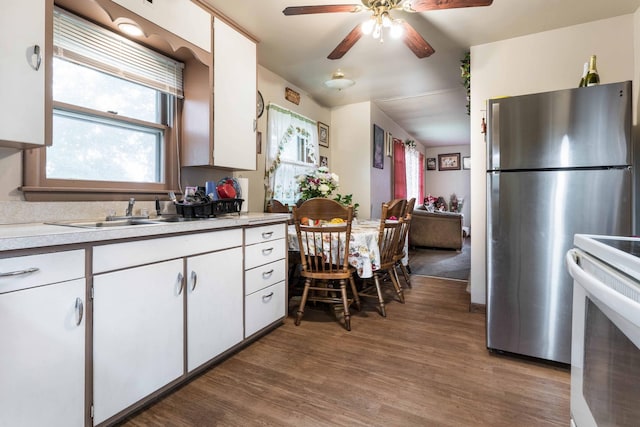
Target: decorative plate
[259,105]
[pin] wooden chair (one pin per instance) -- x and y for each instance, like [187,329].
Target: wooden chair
[324,251]
[396,207]
[402,242]
[388,236]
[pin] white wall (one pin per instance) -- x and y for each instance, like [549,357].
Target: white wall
[444,183]
[351,155]
[350,152]
[540,62]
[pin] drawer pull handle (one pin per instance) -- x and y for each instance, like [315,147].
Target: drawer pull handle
[267,234]
[194,280]
[267,297]
[267,274]
[20,272]
[267,251]
[180,282]
[79,311]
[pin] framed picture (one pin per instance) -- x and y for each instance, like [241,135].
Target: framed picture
[431,163]
[378,147]
[466,162]
[324,161]
[449,162]
[323,134]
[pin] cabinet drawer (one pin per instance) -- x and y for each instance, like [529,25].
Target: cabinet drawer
[263,253]
[122,255]
[266,275]
[35,270]
[265,233]
[264,307]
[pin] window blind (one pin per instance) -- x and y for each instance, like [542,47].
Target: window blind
[88,44]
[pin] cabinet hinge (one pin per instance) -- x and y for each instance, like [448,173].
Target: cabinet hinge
[92,293]
[91,412]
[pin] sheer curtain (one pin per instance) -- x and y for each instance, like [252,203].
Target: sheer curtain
[415,174]
[292,149]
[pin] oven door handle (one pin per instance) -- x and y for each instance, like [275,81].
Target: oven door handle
[625,306]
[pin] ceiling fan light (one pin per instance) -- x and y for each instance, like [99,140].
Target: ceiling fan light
[397,30]
[377,31]
[367,26]
[338,81]
[386,20]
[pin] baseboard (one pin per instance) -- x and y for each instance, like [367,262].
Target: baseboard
[477,308]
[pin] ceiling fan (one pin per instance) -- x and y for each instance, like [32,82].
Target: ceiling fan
[381,19]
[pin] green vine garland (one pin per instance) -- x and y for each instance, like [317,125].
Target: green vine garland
[465,73]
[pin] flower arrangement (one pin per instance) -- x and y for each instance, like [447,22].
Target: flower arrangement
[430,203]
[319,183]
[455,203]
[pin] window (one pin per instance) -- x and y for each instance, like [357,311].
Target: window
[114,105]
[292,150]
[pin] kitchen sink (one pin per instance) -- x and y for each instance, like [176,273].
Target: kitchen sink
[125,222]
[106,224]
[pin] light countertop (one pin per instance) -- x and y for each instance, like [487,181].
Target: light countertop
[37,235]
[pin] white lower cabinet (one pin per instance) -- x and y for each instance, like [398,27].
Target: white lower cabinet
[214,305]
[42,330]
[138,334]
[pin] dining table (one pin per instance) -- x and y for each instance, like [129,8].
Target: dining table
[364,252]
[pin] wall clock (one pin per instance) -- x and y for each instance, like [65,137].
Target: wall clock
[259,105]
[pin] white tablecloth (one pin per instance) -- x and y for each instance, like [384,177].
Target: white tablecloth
[364,254]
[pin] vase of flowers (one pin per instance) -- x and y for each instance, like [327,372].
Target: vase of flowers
[318,183]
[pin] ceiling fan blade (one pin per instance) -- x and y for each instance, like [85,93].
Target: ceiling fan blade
[347,43]
[416,43]
[423,5]
[306,10]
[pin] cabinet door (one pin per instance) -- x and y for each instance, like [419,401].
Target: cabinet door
[138,335]
[22,105]
[214,305]
[42,331]
[234,107]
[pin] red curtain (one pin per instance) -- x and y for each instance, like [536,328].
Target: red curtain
[421,180]
[399,171]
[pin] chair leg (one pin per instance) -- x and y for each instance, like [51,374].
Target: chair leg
[354,290]
[405,273]
[396,284]
[376,280]
[303,301]
[345,303]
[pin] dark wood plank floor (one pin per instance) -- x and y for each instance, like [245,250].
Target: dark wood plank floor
[424,365]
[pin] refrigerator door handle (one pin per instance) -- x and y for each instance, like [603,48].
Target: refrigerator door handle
[494,137]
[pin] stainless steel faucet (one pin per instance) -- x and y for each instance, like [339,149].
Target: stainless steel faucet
[129,212]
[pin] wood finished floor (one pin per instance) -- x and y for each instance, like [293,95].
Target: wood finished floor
[424,365]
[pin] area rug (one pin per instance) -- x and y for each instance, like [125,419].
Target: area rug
[445,263]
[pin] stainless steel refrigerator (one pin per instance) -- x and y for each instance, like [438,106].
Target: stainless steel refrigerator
[558,163]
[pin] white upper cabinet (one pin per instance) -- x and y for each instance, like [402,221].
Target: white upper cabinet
[23,71]
[234,95]
[181,17]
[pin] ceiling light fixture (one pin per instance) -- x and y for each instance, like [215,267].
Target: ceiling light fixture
[338,81]
[382,19]
[130,29]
